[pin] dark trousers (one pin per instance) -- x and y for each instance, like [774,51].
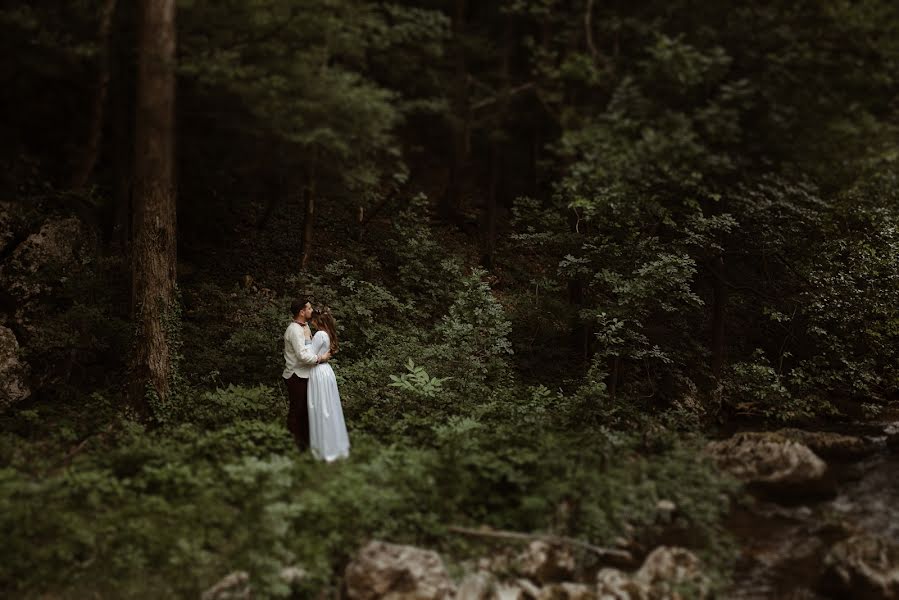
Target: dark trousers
[297,411]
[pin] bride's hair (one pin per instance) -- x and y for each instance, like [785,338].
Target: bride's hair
[323,320]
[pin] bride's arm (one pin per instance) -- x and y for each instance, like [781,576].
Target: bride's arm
[305,355]
[318,342]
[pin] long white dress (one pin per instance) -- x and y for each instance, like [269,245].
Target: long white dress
[328,438]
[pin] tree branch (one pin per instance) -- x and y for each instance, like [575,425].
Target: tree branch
[503,96]
[549,539]
[588,30]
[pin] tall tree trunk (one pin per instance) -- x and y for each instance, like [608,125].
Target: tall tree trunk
[460,121]
[719,293]
[308,223]
[491,209]
[496,157]
[87,157]
[122,131]
[153,256]
[717,345]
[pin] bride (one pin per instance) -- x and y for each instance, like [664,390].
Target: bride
[328,438]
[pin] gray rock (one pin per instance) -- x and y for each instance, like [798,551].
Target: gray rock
[53,251]
[511,591]
[567,591]
[13,372]
[613,584]
[669,569]
[831,445]
[292,575]
[11,224]
[772,463]
[476,586]
[545,562]
[393,572]
[863,567]
[668,573]
[665,509]
[892,435]
[234,586]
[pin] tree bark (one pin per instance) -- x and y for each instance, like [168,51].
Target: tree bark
[490,213]
[87,158]
[308,223]
[460,121]
[719,293]
[122,131]
[496,157]
[154,248]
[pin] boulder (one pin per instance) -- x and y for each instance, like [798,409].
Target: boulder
[394,572]
[11,224]
[773,463]
[476,586]
[667,570]
[293,575]
[668,573]
[234,586]
[13,372]
[519,589]
[544,562]
[52,252]
[892,435]
[863,567]
[613,584]
[831,445]
[567,591]
[509,591]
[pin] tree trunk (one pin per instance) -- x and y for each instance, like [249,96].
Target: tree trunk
[460,121]
[497,170]
[363,217]
[87,158]
[490,210]
[719,292]
[308,223]
[153,257]
[122,130]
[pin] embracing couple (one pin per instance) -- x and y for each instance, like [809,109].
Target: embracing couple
[315,417]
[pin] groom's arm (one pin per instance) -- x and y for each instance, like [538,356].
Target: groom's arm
[304,353]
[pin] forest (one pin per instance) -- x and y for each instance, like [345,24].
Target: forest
[616,286]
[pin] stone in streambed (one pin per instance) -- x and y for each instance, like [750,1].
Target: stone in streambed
[827,444]
[772,463]
[862,567]
[382,571]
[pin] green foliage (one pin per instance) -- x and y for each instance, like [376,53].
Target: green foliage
[423,270]
[211,497]
[755,388]
[417,381]
[708,229]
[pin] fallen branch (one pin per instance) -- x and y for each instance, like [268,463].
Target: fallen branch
[549,539]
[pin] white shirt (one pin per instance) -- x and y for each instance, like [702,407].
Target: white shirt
[298,355]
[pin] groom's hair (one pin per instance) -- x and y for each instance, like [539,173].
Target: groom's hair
[297,305]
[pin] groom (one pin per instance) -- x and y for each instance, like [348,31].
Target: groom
[299,359]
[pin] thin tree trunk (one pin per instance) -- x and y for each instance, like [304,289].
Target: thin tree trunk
[460,123]
[308,223]
[496,157]
[154,246]
[87,157]
[613,377]
[364,217]
[719,292]
[490,212]
[122,131]
[719,295]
